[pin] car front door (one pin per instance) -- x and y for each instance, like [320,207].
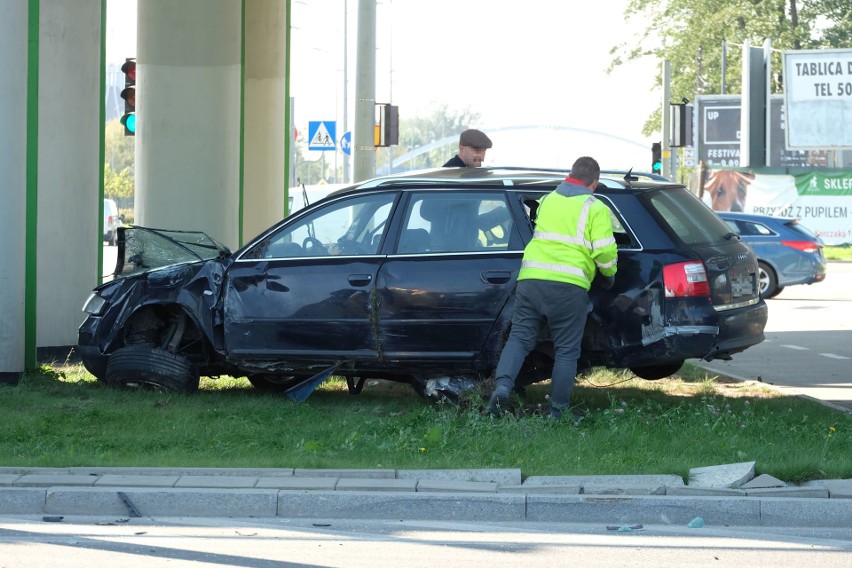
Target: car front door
[305,292]
[448,278]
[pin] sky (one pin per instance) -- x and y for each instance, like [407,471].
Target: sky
[536,62]
[532,63]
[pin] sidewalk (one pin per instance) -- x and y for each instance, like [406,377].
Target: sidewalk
[473,495]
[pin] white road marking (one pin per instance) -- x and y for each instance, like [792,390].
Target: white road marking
[796,347]
[833,356]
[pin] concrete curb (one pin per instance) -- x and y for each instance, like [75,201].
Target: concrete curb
[451,495]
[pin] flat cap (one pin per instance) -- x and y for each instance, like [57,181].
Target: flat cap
[475,139]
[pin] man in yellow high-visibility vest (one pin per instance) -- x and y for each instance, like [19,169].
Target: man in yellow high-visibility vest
[572,242]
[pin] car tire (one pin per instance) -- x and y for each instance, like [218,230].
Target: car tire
[767,281]
[151,368]
[656,372]
[778,290]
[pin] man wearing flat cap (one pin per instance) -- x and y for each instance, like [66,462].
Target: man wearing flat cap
[472,146]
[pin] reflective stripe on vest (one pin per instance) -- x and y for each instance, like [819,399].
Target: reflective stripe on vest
[564,268]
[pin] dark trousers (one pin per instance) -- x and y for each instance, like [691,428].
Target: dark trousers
[560,307]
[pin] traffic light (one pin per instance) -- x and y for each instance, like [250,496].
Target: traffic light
[657,158]
[129,96]
[387,129]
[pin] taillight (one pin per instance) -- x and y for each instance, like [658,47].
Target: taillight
[804,246]
[685,279]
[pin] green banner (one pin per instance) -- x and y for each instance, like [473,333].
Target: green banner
[824,184]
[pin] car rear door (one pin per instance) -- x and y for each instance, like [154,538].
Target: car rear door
[448,277]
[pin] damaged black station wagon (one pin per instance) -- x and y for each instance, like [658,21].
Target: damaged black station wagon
[410,278]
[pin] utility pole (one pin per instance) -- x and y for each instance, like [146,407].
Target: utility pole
[364,146]
[346,176]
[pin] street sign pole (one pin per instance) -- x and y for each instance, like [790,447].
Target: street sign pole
[666,126]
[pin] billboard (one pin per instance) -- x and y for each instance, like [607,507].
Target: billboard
[818,98]
[718,125]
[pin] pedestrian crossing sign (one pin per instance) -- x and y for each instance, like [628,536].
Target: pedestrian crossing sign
[321,135]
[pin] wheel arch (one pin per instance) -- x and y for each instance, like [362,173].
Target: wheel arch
[166,324]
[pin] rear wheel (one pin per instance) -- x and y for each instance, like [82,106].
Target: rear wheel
[151,368]
[767,281]
[655,372]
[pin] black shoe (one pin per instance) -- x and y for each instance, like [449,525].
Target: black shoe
[576,415]
[498,403]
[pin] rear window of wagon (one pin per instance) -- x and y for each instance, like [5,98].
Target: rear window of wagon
[687,217]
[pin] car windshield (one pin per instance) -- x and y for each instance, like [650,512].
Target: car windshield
[688,217]
[143,248]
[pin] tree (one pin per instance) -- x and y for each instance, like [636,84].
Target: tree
[119,185]
[119,149]
[690,34]
[119,164]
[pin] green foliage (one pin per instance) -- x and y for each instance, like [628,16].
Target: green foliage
[60,418]
[690,34]
[119,163]
[118,185]
[119,149]
[841,252]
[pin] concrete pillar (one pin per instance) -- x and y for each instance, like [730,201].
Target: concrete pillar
[188,116]
[13,180]
[265,130]
[70,165]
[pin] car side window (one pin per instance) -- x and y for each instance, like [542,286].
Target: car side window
[437,222]
[349,227]
[756,229]
[623,237]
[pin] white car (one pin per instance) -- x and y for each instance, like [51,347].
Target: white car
[111,222]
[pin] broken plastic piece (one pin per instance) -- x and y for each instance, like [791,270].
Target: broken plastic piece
[448,388]
[301,391]
[625,528]
[696,523]
[52,518]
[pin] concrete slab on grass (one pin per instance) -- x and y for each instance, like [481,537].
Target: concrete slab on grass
[442,486]
[730,475]
[366,484]
[298,483]
[500,476]
[48,480]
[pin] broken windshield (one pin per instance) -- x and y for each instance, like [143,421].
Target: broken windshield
[142,248]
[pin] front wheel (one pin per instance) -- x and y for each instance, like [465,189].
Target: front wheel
[656,372]
[151,368]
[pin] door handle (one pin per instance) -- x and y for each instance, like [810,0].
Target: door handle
[496,276]
[360,279]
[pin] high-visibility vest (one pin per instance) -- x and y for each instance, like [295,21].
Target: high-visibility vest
[572,239]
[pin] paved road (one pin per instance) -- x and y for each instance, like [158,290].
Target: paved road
[266,543]
[808,347]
